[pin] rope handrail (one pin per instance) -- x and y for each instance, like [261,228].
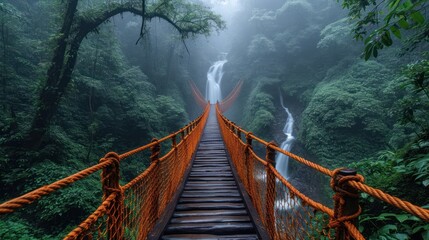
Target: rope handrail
[225,104]
[131,210]
[385,197]
[392,200]
[28,198]
[304,161]
[344,186]
[87,223]
[280,194]
[316,205]
[114,194]
[147,146]
[232,96]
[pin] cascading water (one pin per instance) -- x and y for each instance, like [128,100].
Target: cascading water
[282,161]
[214,77]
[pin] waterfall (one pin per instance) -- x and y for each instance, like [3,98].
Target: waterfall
[282,161]
[214,77]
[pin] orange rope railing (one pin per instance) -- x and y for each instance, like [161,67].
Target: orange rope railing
[199,98]
[19,202]
[225,104]
[392,200]
[286,212]
[129,211]
[230,99]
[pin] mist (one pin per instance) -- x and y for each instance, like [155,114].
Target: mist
[318,80]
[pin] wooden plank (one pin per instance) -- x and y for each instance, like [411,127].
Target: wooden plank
[190,188]
[222,212]
[212,228]
[209,206]
[210,191]
[157,230]
[210,194]
[252,210]
[210,237]
[210,199]
[213,219]
[210,154]
[212,169]
[211,164]
[210,178]
[213,194]
[212,159]
[212,174]
[211,183]
[207,156]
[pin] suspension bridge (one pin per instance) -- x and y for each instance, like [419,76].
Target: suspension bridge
[210,184]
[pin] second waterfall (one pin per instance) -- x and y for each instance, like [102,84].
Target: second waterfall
[214,78]
[282,161]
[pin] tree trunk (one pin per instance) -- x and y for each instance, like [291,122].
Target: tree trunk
[171,66]
[3,73]
[51,93]
[65,55]
[90,104]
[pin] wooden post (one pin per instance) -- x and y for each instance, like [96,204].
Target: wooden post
[350,205]
[110,185]
[249,164]
[180,166]
[182,134]
[270,192]
[155,181]
[173,141]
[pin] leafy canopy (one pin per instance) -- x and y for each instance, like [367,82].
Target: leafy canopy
[346,112]
[188,18]
[377,21]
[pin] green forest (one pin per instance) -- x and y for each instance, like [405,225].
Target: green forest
[80,78]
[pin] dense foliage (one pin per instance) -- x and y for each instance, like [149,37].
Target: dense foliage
[346,112]
[368,115]
[378,21]
[354,105]
[108,104]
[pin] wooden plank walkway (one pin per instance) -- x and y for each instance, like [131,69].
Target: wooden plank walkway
[211,205]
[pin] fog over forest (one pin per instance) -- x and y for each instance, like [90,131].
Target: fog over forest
[340,83]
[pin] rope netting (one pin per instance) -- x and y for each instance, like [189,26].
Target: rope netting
[130,211]
[286,212]
[232,96]
[225,104]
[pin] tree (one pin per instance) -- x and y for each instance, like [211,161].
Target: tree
[386,18]
[189,19]
[345,119]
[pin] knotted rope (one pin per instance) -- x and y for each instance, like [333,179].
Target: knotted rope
[339,183]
